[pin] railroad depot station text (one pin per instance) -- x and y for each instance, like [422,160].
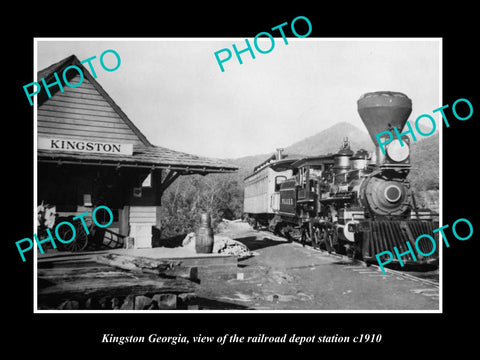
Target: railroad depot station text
[238,339]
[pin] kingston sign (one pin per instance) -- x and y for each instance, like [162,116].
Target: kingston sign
[46,143]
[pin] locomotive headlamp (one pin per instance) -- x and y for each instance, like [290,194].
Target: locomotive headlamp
[396,152]
[392,193]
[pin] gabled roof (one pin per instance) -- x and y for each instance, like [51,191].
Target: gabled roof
[47,73]
[75,112]
[59,67]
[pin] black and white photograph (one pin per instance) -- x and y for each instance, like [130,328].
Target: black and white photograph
[173,185]
[289,181]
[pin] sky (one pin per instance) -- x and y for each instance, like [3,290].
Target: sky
[175,93]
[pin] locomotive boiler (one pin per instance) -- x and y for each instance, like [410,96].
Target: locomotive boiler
[349,202]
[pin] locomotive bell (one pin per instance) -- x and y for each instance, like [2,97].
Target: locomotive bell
[382,110]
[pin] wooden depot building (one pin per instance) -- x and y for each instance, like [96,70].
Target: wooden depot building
[90,153]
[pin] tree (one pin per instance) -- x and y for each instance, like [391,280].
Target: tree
[220,195]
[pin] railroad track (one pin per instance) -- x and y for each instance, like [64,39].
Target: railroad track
[364,264]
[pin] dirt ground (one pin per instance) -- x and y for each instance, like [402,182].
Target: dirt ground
[288,276]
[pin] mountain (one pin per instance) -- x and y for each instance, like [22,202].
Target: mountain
[331,139]
[324,142]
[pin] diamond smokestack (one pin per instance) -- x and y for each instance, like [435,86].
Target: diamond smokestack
[381,110]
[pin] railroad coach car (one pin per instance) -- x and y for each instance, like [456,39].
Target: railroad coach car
[261,194]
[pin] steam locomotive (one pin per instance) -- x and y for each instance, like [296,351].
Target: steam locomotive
[355,203]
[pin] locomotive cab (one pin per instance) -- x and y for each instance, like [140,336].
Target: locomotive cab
[310,173]
[307,183]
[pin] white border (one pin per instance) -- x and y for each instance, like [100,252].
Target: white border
[35,168]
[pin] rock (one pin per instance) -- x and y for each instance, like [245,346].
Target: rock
[165,301]
[153,306]
[115,303]
[128,303]
[103,303]
[186,297]
[228,246]
[69,305]
[142,302]
[221,245]
[88,303]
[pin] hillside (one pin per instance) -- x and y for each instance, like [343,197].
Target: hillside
[324,142]
[330,140]
[425,163]
[246,164]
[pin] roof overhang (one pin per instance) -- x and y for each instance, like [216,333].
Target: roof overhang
[143,157]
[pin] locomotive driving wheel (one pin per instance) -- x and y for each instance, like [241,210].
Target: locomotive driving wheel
[278,229]
[328,238]
[303,238]
[316,237]
[326,235]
